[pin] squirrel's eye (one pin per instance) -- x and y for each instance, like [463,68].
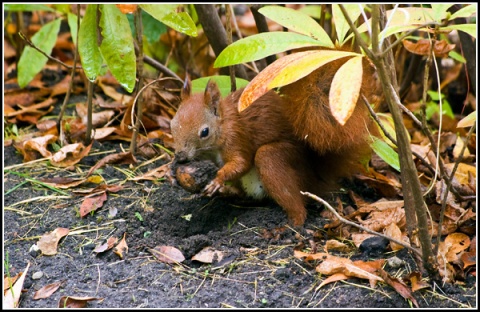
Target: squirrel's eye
[204,133]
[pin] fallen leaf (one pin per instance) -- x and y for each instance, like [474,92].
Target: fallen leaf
[40,144]
[399,286]
[118,158]
[333,244]
[47,290]
[417,282]
[333,278]
[458,242]
[393,231]
[208,255]
[48,243]
[167,254]
[12,296]
[122,248]
[107,245]
[70,154]
[92,203]
[75,302]
[441,48]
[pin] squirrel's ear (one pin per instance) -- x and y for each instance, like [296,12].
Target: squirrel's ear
[212,96]
[187,88]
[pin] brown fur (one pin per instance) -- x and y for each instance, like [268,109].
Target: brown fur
[292,140]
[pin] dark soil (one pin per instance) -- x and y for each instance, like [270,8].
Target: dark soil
[258,270]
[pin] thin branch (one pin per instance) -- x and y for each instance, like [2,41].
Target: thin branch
[31,44]
[315,197]
[358,37]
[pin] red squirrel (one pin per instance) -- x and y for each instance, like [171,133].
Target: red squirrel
[278,146]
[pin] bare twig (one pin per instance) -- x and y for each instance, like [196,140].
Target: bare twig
[31,44]
[315,197]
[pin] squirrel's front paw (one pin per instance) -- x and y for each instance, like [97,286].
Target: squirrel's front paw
[213,187]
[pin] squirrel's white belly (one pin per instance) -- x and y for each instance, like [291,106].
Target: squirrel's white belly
[252,185]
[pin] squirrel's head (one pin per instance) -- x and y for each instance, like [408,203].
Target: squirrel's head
[195,126]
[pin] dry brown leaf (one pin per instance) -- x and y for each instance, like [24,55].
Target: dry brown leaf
[108,245]
[345,89]
[48,243]
[458,242]
[334,264]
[441,48]
[333,278]
[122,248]
[62,86]
[208,255]
[114,94]
[12,296]
[333,244]
[469,259]
[378,220]
[463,170]
[40,144]
[92,203]
[417,282]
[399,286]
[154,174]
[62,182]
[393,231]
[47,290]
[9,281]
[34,109]
[75,302]
[119,158]
[70,155]
[167,254]
[102,133]
[358,238]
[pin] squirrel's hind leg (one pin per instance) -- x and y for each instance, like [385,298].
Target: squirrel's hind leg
[281,170]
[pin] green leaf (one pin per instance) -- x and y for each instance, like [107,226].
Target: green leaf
[465,12]
[440,10]
[457,56]
[117,46]
[27,7]
[72,23]
[385,152]
[223,82]
[313,10]
[90,55]
[31,61]
[341,25]
[166,13]
[470,29]
[261,45]
[299,22]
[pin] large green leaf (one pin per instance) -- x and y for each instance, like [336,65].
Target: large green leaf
[72,23]
[27,7]
[31,61]
[341,25]
[465,12]
[223,82]
[117,45]
[261,45]
[88,48]
[470,29]
[297,21]
[385,152]
[166,13]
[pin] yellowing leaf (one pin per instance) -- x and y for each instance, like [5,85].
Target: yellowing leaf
[286,70]
[345,89]
[48,243]
[468,121]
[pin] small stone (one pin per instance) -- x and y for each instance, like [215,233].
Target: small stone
[395,262]
[37,275]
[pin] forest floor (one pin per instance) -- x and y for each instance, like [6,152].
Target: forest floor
[257,266]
